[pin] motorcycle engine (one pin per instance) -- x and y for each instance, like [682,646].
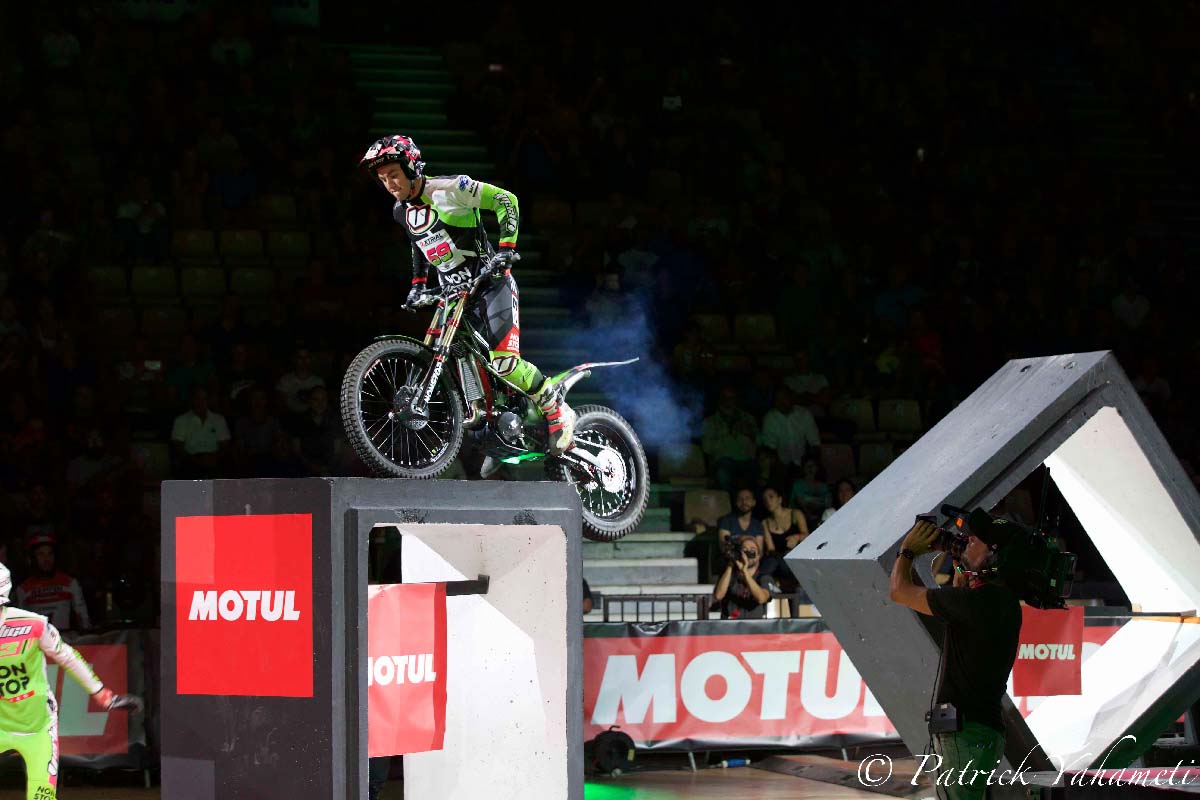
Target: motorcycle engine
[509,428]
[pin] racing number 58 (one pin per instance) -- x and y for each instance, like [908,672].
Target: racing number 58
[440,254]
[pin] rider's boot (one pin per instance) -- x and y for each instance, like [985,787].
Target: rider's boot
[490,467]
[558,414]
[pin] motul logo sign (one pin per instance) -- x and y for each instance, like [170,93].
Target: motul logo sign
[243,605]
[270,606]
[386,670]
[1047,652]
[661,688]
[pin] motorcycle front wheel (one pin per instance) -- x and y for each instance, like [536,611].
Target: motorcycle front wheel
[378,384]
[614,506]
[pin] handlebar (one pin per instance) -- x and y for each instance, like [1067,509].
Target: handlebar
[484,274]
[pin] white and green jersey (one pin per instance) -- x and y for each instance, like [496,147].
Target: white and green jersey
[445,229]
[27,640]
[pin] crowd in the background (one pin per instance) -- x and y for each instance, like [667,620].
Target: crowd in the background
[911,208]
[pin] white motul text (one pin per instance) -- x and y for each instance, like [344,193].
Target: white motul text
[1047,652]
[386,670]
[245,604]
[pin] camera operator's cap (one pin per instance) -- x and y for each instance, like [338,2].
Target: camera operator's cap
[993,532]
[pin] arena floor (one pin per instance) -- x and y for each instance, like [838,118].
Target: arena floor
[747,784]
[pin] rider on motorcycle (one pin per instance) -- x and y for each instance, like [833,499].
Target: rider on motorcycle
[441,216]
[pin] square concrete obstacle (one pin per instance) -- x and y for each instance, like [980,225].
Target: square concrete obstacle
[284,714]
[1079,415]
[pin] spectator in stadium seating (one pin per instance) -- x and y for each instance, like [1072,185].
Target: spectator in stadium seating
[1151,386]
[50,591]
[810,492]
[730,441]
[216,146]
[693,357]
[284,462]
[189,191]
[318,433]
[742,522]
[588,602]
[786,527]
[768,469]
[192,371]
[239,376]
[142,223]
[94,462]
[810,387]
[1130,307]
[789,429]
[842,494]
[294,386]
[744,588]
[200,438]
[254,435]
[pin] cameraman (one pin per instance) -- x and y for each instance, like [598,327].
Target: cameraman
[983,623]
[744,588]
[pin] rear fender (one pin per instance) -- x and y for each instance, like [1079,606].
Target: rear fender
[567,379]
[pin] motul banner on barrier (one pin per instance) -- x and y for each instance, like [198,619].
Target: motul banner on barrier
[90,736]
[406,668]
[720,683]
[1050,653]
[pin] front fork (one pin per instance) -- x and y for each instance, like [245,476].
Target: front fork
[439,336]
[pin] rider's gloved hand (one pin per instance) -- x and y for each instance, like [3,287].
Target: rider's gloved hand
[111,701]
[418,297]
[501,262]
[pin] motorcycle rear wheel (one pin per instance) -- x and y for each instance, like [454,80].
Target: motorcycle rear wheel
[607,516]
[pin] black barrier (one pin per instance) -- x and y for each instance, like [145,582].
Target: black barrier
[244,719]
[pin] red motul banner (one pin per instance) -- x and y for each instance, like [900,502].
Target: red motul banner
[703,683]
[1050,653]
[243,605]
[83,726]
[406,668]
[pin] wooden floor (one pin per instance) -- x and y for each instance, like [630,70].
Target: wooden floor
[742,783]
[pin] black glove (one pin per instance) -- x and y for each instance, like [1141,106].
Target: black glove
[418,297]
[112,701]
[501,262]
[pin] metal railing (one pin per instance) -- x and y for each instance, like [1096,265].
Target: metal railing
[683,606]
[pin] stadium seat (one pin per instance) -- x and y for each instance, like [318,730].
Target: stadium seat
[755,331]
[713,327]
[242,247]
[705,505]
[164,321]
[900,416]
[733,362]
[838,462]
[108,282]
[252,282]
[550,214]
[682,464]
[289,248]
[205,316]
[201,282]
[592,214]
[874,457]
[858,410]
[118,322]
[775,362]
[157,284]
[664,184]
[278,210]
[194,246]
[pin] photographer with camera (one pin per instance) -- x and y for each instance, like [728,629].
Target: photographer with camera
[983,623]
[745,587]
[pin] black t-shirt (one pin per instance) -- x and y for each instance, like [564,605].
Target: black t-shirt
[983,626]
[730,523]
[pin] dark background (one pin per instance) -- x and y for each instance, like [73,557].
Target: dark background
[913,194]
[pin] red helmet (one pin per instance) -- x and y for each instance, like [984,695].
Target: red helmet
[398,149]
